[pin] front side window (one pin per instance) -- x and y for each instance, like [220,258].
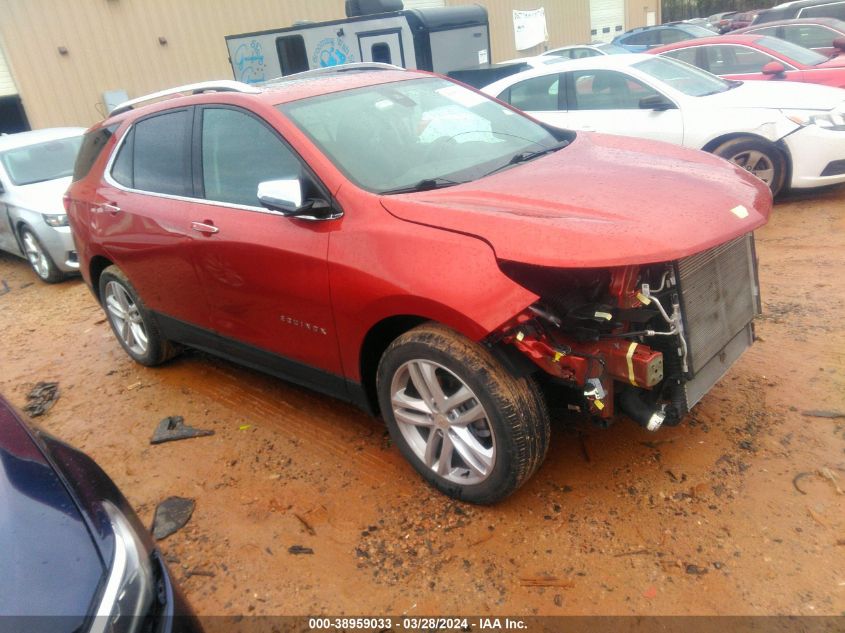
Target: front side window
[735,60]
[606,90]
[154,156]
[392,136]
[42,161]
[238,152]
[539,94]
[686,55]
[832,10]
[684,78]
[792,51]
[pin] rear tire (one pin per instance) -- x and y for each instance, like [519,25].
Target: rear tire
[134,327]
[39,259]
[759,157]
[470,428]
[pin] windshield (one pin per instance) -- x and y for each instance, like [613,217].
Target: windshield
[792,51]
[682,77]
[393,136]
[42,161]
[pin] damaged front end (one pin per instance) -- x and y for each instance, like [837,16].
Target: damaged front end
[649,339]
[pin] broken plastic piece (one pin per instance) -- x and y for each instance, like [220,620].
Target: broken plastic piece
[174,428]
[171,516]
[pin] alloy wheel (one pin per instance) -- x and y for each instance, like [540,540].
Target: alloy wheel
[126,318]
[757,163]
[36,256]
[443,422]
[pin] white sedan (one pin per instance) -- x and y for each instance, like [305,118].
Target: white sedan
[784,133]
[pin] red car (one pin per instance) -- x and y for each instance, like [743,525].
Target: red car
[826,36]
[757,57]
[408,244]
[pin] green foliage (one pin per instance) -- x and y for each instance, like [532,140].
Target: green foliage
[685,9]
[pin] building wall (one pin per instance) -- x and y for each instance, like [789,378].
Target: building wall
[567,21]
[114,44]
[636,11]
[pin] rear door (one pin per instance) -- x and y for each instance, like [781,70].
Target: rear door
[140,214]
[265,275]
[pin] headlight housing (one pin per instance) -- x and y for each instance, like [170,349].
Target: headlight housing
[55,219]
[829,120]
[130,588]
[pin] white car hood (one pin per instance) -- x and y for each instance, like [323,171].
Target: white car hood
[43,197]
[778,96]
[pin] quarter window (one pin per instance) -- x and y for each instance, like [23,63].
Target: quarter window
[238,152]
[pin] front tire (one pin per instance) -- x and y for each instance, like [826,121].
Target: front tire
[39,259]
[470,428]
[758,157]
[132,324]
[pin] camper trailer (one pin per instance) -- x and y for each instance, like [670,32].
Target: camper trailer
[437,39]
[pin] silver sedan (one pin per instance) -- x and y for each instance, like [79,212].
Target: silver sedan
[35,171]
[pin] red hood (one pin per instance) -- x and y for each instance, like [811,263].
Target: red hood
[602,201]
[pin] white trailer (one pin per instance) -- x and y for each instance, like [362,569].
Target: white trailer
[436,39]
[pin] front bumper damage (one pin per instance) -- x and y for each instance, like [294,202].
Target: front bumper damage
[659,340]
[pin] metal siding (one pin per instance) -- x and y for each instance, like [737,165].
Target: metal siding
[567,21]
[113,44]
[7,84]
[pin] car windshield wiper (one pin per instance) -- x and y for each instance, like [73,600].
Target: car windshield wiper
[522,157]
[426,184]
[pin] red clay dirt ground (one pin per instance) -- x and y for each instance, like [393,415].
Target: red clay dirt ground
[699,519]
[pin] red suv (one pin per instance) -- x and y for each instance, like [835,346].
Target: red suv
[405,243]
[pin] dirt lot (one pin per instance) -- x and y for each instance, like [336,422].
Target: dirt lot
[706,518]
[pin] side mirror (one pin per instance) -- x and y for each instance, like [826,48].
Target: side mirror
[656,102]
[774,69]
[839,44]
[284,196]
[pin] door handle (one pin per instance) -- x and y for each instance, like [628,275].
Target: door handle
[112,208]
[206,227]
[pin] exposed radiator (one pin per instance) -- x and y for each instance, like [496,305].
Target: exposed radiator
[719,297]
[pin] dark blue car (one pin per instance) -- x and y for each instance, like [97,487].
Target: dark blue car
[646,37]
[75,557]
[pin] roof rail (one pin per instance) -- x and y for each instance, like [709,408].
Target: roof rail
[332,70]
[223,85]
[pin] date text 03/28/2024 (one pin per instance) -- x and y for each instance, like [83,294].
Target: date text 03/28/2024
[416,624]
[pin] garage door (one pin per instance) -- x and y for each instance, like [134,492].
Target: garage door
[607,19]
[7,86]
[424,4]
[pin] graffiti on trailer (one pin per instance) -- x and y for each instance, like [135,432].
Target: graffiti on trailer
[331,51]
[248,62]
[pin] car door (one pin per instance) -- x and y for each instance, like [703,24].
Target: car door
[265,275]
[608,101]
[139,214]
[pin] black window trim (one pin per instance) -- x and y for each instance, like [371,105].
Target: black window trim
[195,141]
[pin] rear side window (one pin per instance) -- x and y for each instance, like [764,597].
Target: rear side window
[539,94]
[155,156]
[293,57]
[238,152]
[93,144]
[809,35]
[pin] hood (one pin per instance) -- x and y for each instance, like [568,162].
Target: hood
[602,201]
[51,566]
[42,197]
[788,95]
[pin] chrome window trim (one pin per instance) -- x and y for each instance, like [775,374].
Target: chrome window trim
[214,203]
